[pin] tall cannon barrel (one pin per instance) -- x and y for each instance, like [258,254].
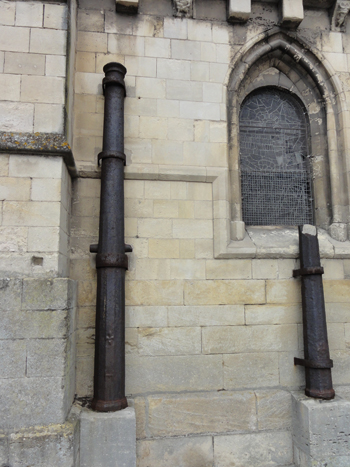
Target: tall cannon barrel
[111,260]
[317,361]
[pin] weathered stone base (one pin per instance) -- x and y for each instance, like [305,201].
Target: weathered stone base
[321,432]
[108,439]
[272,449]
[254,449]
[221,428]
[37,351]
[43,446]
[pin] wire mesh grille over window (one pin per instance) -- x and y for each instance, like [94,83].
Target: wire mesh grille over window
[275,180]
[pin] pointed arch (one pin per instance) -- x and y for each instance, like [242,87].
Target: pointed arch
[306,73]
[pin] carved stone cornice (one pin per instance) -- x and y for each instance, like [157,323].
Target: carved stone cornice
[340,11]
[38,144]
[183,8]
[292,13]
[238,11]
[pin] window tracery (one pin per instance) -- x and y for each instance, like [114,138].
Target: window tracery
[275,180]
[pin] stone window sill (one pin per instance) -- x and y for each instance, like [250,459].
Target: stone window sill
[280,242]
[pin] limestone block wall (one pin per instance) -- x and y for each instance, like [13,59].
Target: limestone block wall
[37,300]
[33,43]
[210,342]
[37,313]
[35,214]
[176,70]
[37,347]
[56,444]
[34,190]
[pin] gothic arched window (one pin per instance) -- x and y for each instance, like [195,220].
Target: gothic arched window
[275,178]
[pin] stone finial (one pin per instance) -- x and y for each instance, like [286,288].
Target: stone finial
[340,11]
[238,10]
[292,13]
[183,7]
[127,6]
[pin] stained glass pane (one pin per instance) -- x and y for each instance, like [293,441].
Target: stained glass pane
[275,181]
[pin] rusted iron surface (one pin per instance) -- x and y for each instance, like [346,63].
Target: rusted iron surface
[94,248]
[111,260]
[317,361]
[306,271]
[312,364]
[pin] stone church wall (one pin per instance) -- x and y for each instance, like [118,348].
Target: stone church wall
[37,299]
[213,322]
[33,43]
[210,342]
[35,191]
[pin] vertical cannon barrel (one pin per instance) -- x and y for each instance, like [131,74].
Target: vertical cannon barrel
[317,361]
[111,260]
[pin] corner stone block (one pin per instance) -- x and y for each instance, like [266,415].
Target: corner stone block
[321,430]
[13,358]
[48,294]
[32,401]
[53,445]
[46,357]
[292,13]
[3,449]
[239,10]
[10,294]
[108,439]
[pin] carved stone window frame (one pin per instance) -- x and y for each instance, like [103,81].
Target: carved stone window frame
[304,72]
